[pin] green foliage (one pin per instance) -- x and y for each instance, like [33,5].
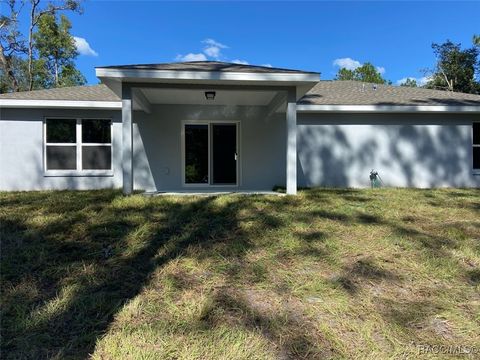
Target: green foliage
[44,60]
[409,83]
[476,40]
[455,69]
[366,73]
[19,68]
[56,48]
[345,74]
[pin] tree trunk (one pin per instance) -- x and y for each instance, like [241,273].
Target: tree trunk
[449,83]
[33,21]
[30,49]
[56,73]
[8,69]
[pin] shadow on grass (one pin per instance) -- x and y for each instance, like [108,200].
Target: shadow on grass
[71,260]
[67,273]
[288,330]
[408,313]
[473,276]
[360,271]
[77,258]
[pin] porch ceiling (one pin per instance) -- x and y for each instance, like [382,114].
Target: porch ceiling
[197,96]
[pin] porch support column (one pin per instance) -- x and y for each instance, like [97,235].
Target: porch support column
[127,139]
[292,142]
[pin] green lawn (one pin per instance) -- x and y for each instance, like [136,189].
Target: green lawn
[326,274]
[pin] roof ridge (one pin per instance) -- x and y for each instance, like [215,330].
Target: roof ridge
[203,66]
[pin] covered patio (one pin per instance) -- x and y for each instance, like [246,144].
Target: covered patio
[210,112]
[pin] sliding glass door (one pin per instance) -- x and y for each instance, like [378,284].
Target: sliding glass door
[210,153]
[196,154]
[224,154]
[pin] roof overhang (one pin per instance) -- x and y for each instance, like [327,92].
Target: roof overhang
[62,104]
[145,75]
[302,81]
[303,108]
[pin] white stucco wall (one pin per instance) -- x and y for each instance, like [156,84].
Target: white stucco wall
[419,150]
[21,151]
[408,150]
[157,146]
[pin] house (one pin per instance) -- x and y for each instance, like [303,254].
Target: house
[213,126]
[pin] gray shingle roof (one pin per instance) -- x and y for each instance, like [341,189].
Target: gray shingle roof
[208,66]
[82,93]
[323,93]
[358,93]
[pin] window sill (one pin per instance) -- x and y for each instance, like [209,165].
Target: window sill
[76,173]
[476,172]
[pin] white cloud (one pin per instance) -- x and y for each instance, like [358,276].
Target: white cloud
[402,80]
[351,64]
[191,57]
[212,51]
[213,48]
[347,63]
[241,62]
[266,65]
[424,80]
[213,42]
[421,81]
[83,47]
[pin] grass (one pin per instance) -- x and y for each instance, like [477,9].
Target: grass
[326,274]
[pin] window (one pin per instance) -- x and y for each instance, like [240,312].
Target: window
[61,146]
[83,145]
[96,145]
[476,146]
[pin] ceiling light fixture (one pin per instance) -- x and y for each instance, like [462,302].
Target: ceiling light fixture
[210,95]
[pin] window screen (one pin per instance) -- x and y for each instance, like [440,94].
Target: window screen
[61,157]
[97,157]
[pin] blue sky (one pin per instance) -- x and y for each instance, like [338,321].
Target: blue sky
[395,36]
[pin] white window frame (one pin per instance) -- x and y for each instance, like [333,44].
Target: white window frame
[78,148]
[209,123]
[475,171]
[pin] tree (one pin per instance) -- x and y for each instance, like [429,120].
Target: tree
[455,69]
[345,74]
[56,48]
[21,65]
[11,47]
[18,72]
[366,73]
[409,83]
[476,40]
[36,14]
